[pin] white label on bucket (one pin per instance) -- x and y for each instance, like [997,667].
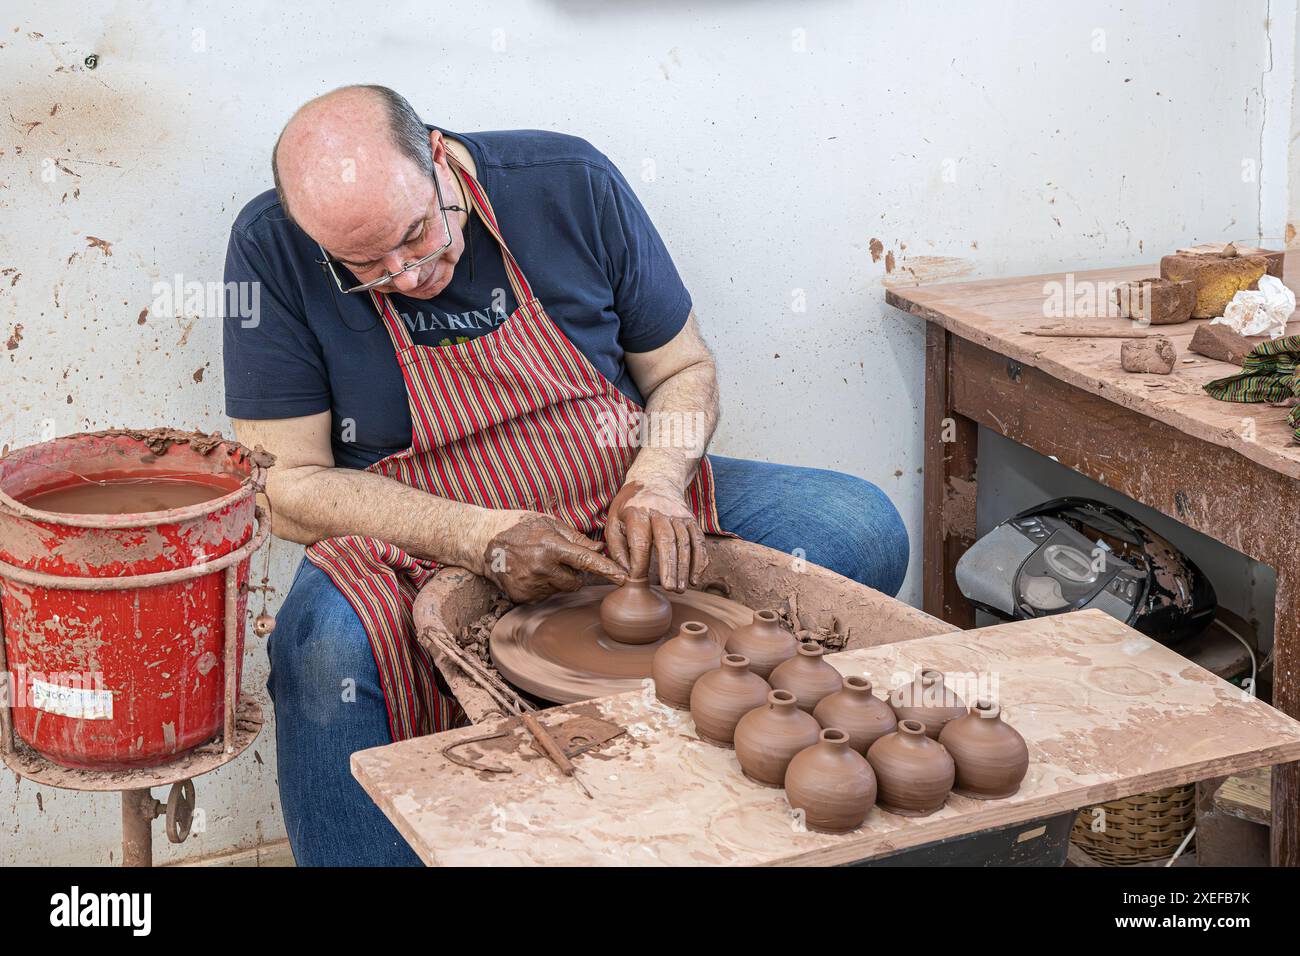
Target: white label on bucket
[84,703]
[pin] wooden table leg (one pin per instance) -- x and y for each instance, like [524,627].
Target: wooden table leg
[949,496]
[1285,815]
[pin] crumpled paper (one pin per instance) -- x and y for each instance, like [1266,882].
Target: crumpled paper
[1262,311]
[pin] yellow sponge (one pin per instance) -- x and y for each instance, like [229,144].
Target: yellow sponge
[1218,277]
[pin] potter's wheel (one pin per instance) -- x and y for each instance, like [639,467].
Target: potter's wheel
[557,650]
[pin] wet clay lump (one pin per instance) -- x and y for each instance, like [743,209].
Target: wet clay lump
[636,613]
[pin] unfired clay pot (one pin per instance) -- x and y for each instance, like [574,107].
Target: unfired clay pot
[768,737]
[913,772]
[680,662]
[636,613]
[858,712]
[831,783]
[722,696]
[928,700]
[807,676]
[764,641]
[990,754]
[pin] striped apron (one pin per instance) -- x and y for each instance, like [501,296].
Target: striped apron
[517,418]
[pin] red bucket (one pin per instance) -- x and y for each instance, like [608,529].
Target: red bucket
[115,624]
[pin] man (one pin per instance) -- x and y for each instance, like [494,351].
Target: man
[454,330]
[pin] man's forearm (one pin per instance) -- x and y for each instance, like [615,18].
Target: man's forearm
[311,503]
[681,415]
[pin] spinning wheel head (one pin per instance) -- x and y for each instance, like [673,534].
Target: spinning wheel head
[558,650]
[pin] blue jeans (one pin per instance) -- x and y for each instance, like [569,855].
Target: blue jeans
[325,685]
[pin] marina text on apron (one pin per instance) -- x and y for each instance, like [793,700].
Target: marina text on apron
[511,419]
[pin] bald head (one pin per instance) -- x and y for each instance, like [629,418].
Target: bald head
[353,165]
[355,170]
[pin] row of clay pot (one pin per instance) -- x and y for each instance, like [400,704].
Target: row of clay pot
[851,746]
[772,652]
[910,773]
[990,755]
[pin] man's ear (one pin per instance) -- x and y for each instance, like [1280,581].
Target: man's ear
[439,147]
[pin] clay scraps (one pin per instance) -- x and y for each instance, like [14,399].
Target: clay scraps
[833,638]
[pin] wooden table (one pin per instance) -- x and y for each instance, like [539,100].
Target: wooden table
[1106,713]
[1228,470]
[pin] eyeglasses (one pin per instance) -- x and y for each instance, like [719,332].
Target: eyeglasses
[443,209]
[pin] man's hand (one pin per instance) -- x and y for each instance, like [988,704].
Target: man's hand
[530,556]
[642,517]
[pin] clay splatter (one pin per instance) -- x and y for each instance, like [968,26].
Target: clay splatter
[15,337]
[919,269]
[103,245]
[877,248]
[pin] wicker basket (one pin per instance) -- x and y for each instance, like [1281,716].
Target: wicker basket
[1137,829]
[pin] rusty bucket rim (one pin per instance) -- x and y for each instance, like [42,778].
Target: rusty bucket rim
[249,486]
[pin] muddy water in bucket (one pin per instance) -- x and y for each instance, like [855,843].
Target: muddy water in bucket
[122,494]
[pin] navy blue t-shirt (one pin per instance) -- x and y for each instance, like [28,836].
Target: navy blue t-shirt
[583,239]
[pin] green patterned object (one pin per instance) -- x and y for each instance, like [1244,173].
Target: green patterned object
[1268,374]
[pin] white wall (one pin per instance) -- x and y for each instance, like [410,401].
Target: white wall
[969,139]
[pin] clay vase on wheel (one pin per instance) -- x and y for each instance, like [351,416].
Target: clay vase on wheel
[831,783]
[858,712]
[807,676]
[721,697]
[764,641]
[990,754]
[768,737]
[636,613]
[928,700]
[913,773]
[680,662]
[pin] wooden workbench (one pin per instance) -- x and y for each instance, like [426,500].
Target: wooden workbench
[1106,713]
[1228,470]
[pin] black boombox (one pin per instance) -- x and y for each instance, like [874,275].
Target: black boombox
[1073,553]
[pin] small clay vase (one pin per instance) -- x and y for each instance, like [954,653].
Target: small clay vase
[928,700]
[858,712]
[722,696]
[913,772]
[831,783]
[990,754]
[768,737]
[636,613]
[807,676]
[764,641]
[680,662]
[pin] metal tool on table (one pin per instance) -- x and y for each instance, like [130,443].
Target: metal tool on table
[1082,332]
[576,735]
[553,750]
